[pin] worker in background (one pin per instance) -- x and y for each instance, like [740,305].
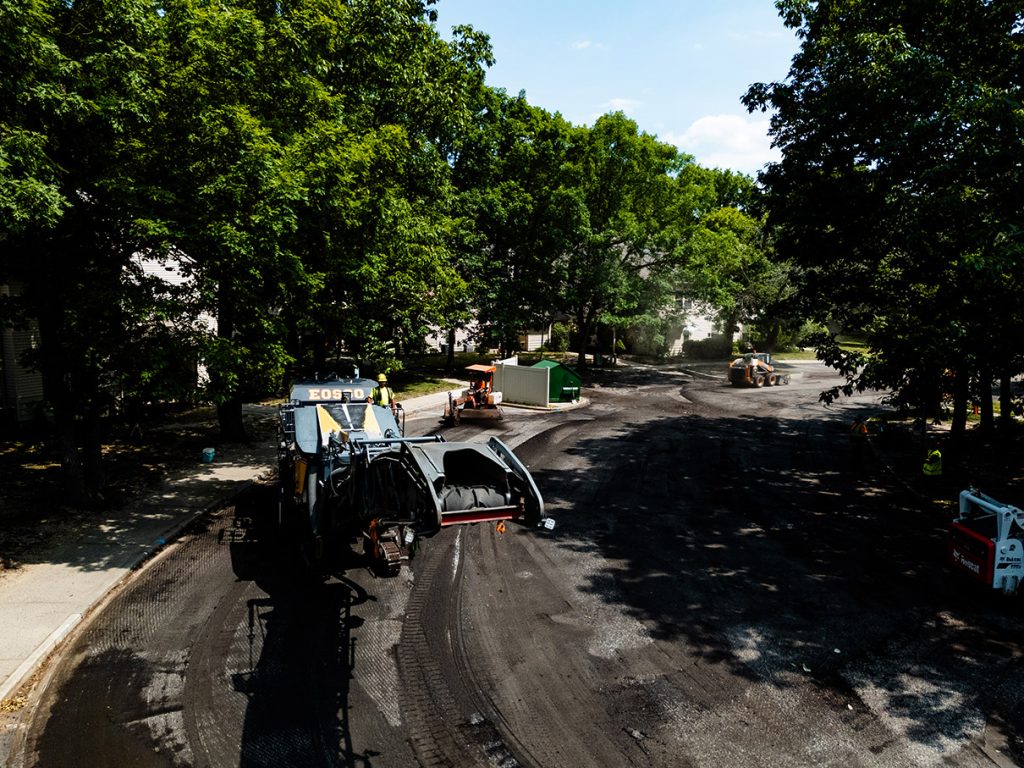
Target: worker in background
[932,466]
[382,394]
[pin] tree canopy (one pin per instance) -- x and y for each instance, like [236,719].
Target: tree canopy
[328,177]
[902,131]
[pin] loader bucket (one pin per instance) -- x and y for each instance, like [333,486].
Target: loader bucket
[485,412]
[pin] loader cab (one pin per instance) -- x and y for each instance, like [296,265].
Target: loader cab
[481,381]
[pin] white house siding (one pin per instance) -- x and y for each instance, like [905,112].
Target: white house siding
[22,388]
[531,341]
[437,340]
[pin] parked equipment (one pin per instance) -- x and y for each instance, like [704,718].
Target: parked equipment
[478,401]
[986,542]
[347,472]
[755,369]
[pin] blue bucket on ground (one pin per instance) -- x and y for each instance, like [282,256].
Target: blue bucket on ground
[208,454]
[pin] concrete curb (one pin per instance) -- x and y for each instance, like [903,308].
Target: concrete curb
[28,667]
[552,408]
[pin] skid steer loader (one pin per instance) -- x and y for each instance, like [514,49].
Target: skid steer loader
[986,542]
[755,369]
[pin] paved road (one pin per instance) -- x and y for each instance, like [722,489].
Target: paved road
[728,585]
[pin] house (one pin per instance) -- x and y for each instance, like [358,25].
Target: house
[22,387]
[531,341]
[22,391]
[684,320]
[437,339]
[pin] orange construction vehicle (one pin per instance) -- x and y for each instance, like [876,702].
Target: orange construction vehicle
[478,401]
[755,369]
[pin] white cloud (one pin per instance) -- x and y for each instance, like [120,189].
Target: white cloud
[736,142]
[627,106]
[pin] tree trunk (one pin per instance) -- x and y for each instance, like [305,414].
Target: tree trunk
[229,409]
[319,342]
[54,367]
[728,332]
[229,417]
[772,338]
[92,454]
[985,395]
[961,395]
[1005,401]
[585,323]
[449,364]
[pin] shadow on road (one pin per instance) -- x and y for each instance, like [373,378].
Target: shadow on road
[301,649]
[772,547]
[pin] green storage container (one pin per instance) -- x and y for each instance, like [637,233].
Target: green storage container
[563,382]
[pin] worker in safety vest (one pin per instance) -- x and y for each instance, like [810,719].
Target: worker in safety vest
[932,466]
[382,394]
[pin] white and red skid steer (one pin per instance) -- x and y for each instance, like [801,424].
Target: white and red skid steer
[986,542]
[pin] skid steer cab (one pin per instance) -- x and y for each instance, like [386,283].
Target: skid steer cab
[348,474]
[755,369]
[986,542]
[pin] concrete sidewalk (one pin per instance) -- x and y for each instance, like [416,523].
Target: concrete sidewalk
[45,598]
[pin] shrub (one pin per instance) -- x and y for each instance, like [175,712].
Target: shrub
[559,341]
[714,348]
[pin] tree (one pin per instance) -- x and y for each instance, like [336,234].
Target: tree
[520,213]
[375,227]
[899,190]
[625,185]
[727,257]
[79,95]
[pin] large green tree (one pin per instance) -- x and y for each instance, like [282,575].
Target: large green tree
[375,226]
[631,204]
[521,212]
[727,255]
[79,95]
[899,193]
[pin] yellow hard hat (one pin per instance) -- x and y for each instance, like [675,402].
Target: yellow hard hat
[382,377]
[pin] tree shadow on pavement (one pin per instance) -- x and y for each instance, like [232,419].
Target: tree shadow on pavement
[769,546]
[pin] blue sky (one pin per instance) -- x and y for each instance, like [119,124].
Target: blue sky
[677,68]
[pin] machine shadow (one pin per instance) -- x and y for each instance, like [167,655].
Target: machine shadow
[779,549]
[302,651]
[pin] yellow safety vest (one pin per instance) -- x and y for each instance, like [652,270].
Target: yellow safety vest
[933,464]
[382,395]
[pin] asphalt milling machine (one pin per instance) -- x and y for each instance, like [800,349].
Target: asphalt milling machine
[755,369]
[348,473]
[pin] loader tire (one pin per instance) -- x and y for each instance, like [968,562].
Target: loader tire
[759,381]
